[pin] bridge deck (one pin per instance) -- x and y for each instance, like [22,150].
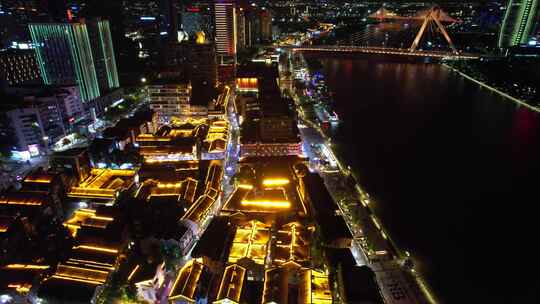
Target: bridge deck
[383,51]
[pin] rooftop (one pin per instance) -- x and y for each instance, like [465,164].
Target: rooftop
[186,282]
[215,239]
[333,226]
[103,184]
[270,188]
[20,277]
[231,285]
[292,244]
[250,241]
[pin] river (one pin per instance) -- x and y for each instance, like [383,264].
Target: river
[453,168]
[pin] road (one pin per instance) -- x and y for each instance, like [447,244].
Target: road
[20,170]
[233,148]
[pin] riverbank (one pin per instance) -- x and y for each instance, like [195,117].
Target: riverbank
[495,90]
[372,243]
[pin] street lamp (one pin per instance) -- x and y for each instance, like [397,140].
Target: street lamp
[143,79]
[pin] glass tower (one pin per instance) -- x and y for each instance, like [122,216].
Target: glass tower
[520,22]
[103,51]
[225,21]
[65,56]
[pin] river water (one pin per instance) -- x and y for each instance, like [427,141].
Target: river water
[453,168]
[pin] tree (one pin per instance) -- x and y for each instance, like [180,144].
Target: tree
[171,254]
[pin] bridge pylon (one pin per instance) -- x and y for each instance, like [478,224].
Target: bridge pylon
[433,16]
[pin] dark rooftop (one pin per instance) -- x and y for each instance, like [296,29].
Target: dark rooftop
[333,226]
[215,239]
[203,94]
[360,286]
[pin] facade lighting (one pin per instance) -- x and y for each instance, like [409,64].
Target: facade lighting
[245,186]
[96,248]
[275,182]
[26,266]
[268,204]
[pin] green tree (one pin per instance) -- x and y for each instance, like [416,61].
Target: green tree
[171,254]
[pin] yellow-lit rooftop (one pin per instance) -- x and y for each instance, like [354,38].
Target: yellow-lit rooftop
[271,194]
[182,122]
[250,241]
[291,244]
[88,218]
[80,273]
[185,189]
[231,285]
[186,282]
[26,266]
[39,178]
[28,198]
[199,210]
[313,286]
[103,183]
[248,199]
[320,288]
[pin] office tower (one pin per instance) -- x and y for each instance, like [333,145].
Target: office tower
[520,23]
[169,18]
[241,29]
[266,26]
[67,55]
[202,61]
[225,21]
[198,18]
[100,35]
[192,21]
[252,27]
[19,66]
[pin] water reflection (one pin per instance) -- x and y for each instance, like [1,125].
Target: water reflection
[441,154]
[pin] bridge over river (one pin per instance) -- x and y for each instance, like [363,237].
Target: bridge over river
[384,51]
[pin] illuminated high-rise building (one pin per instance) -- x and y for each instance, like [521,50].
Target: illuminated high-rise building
[266,26]
[225,27]
[65,56]
[521,20]
[103,52]
[241,29]
[76,53]
[198,17]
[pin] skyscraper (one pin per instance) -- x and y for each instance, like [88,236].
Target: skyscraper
[77,53]
[202,61]
[196,18]
[225,20]
[65,56]
[241,29]
[168,10]
[520,22]
[103,52]
[266,26]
